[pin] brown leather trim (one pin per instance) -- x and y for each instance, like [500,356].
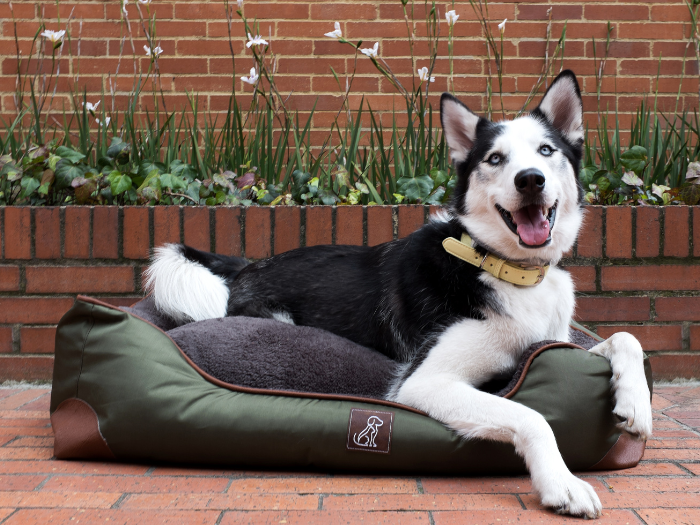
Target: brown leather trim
[625,453]
[532,358]
[263,391]
[77,432]
[92,300]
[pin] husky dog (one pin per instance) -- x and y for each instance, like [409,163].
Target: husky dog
[453,325]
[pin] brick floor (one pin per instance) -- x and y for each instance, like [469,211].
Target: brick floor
[35,488]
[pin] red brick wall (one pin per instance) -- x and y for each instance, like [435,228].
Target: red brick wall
[196,57]
[636,269]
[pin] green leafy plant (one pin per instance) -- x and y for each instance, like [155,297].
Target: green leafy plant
[260,152]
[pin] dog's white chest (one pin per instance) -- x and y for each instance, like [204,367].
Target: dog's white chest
[476,350]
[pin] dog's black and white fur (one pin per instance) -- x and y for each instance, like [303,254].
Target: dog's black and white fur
[450,324]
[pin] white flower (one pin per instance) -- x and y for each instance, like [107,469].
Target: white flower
[255,41]
[107,121]
[502,25]
[91,107]
[423,74]
[451,17]
[253,78]
[54,36]
[372,51]
[335,34]
[240,4]
[124,7]
[157,51]
[144,2]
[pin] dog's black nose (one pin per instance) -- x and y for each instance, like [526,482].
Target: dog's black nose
[529,181]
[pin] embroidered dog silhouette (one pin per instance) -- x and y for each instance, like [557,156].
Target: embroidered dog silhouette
[369,434]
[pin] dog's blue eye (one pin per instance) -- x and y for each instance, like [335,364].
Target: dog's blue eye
[546,150]
[494,159]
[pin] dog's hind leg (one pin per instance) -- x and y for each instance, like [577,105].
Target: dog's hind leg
[190,285]
[629,384]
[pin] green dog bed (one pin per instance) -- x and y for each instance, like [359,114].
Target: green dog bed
[129,385]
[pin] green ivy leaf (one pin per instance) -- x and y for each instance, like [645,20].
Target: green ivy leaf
[119,150]
[66,171]
[439,177]
[634,159]
[436,197]
[147,167]
[179,169]
[586,175]
[29,185]
[69,154]
[603,183]
[120,183]
[415,188]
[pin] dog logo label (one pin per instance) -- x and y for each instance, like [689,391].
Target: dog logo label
[370,430]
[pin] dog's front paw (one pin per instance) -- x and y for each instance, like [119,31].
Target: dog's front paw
[633,407]
[566,494]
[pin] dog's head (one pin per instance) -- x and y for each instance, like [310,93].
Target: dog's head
[517,189]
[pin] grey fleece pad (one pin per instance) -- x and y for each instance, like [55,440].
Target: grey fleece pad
[264,353]
[269,354]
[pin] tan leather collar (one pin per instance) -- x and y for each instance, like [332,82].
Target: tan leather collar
[514,273]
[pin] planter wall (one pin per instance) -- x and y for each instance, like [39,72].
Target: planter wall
[636,269]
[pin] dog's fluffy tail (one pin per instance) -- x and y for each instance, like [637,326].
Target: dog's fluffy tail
[190,285]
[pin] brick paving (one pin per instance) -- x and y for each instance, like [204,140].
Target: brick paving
[37,489]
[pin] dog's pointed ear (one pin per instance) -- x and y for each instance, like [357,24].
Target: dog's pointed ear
[563,108]
[459,125]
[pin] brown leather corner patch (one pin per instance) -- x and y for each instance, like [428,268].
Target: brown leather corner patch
[625,453]
[77,432]
[370,430]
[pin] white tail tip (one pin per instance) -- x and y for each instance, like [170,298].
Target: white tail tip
[185,290]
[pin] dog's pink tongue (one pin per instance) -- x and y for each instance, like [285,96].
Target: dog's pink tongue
[533,227]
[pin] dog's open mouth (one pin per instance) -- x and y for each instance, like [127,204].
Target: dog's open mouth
[532,224]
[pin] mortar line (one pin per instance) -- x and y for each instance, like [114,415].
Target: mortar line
[522,504]
[634,511]
[662,230]
[691,214]
[2,233]
[677,463]
[241,234]
[32,233]
[41,485]
[120,500]
[9,516]
[334,224]
[633,232]
[120,233]
[212,228]
[62,232]
[605,483]
[91,231]
[272,230]
[228,485]
[302,226]
[364,225]
[431,519]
